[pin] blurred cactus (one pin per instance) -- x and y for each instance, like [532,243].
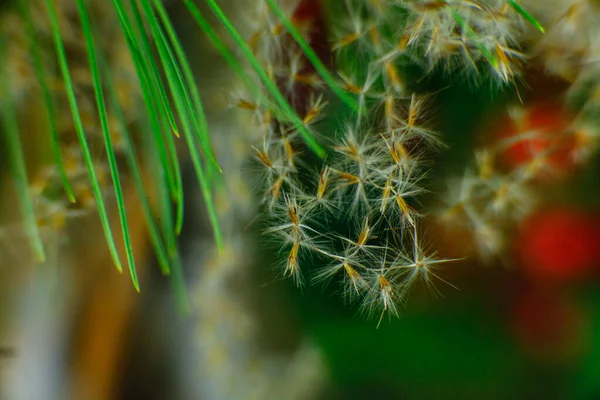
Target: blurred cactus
[376,156]
[545,140]
[319,131]
[353,217]
[341,153]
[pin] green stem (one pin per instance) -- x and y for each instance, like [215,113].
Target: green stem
[199,116]
[16,157]
[110,152]
[159,91]
[519,9]
[152,102]
[269,84]
[487,54]
[228,56]
[134,167]
[97,191]
[313,57]
[41,78]
[182,104]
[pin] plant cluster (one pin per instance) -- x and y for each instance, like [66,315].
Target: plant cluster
[542,142]
[103,72]
[537,145]
[351,216]
[68,178]
[340,201]
[473,38]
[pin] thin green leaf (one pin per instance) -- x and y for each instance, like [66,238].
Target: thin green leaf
[18,168]
[519,9]
[159,91]
[110,153]
[219,44]
[89,163]
[231,60]
[177,283]
[134,167]
[152,68]
[174,266]
[313,57]
[41,78]
[186,113]
[191,85]
[180,290]
[487,54]
[153,109]
[167,223]
[269,84]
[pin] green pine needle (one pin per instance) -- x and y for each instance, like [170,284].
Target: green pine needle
[176,270]
[160,97]
[179,289]
[43,83]
[231,60]
[191,85]
[110,152]
[487,54]
[134,167]
[158,107]
[267,81]
[97,191]
[218,43]
[313,57]
[155,117]
[167,222]
[18,168]
[519,9]
[153,69]
[187,114]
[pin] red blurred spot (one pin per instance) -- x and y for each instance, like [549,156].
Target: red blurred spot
[560,244]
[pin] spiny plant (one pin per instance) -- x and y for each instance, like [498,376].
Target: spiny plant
[478,38]
[352,217]
[345,197]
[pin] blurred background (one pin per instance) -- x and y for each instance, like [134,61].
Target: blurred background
[516,315]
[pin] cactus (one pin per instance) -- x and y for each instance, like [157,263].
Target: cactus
[341,152]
